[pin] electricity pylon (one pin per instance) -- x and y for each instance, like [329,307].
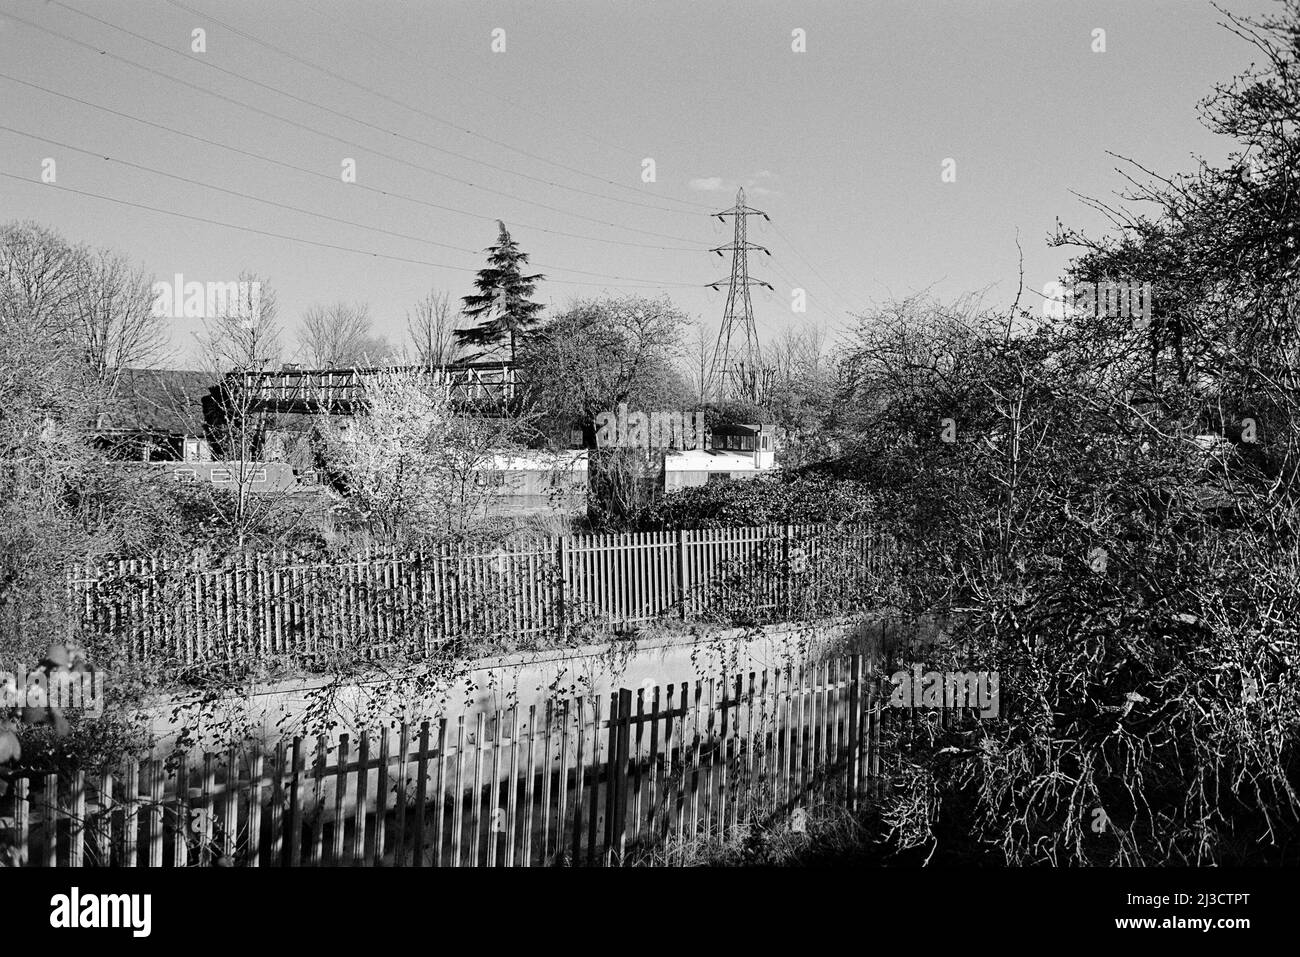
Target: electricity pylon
[738,375]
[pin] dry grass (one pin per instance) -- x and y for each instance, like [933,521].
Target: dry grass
[832,836]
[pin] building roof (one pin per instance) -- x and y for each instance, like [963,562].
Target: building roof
[568,460]
[742,428]
[159,401]
[699,460]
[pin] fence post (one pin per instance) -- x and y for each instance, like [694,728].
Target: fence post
[420,561]
[22,812]
[620,727]
[611,764]
[855,699]
[681,571]
[624,758]
[69,575]
[874,715]
[787,576]
[293,820]
[561,614]
[421,773]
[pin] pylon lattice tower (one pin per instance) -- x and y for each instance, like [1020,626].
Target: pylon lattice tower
[736,370]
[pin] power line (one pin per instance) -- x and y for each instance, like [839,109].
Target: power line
[346,116]
[309,242]
[334,180]
[414,109]
[352,27]
[232,192]
[795,249]
[305,212]
[330,136]
[815,300]
[349,117]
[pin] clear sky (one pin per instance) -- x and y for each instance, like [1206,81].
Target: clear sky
[842,145]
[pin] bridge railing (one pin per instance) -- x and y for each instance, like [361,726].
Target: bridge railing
[318,389]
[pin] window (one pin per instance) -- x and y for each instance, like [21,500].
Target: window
[185,475]
[258,476]
[220,476]
[715,477]
[766,444]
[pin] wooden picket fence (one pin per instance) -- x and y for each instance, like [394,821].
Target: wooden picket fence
[256,605]
[639,777]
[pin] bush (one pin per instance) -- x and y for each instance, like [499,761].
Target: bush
[806,498]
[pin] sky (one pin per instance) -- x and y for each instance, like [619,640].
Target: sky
[843,144]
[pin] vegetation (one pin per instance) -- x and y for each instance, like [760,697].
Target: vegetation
[807,498]
[502,300]
[1111,506]
[341,336]
[409,466]
[1106,510]
[589,359]
[1105,507]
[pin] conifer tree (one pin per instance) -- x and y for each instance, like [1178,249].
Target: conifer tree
[502,302]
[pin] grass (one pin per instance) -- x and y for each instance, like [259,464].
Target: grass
[832,837]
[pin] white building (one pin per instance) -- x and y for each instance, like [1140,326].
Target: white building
[733,452]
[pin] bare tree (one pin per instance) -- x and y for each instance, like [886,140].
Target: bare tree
[802,396]
[59,501]
[594,355]
[432,327]
[235,346]
[599,352]
[39,273]
[413,464]
[247,335]
[114,308]
[340,335]
[699,358]
[95,301]
[797,350]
